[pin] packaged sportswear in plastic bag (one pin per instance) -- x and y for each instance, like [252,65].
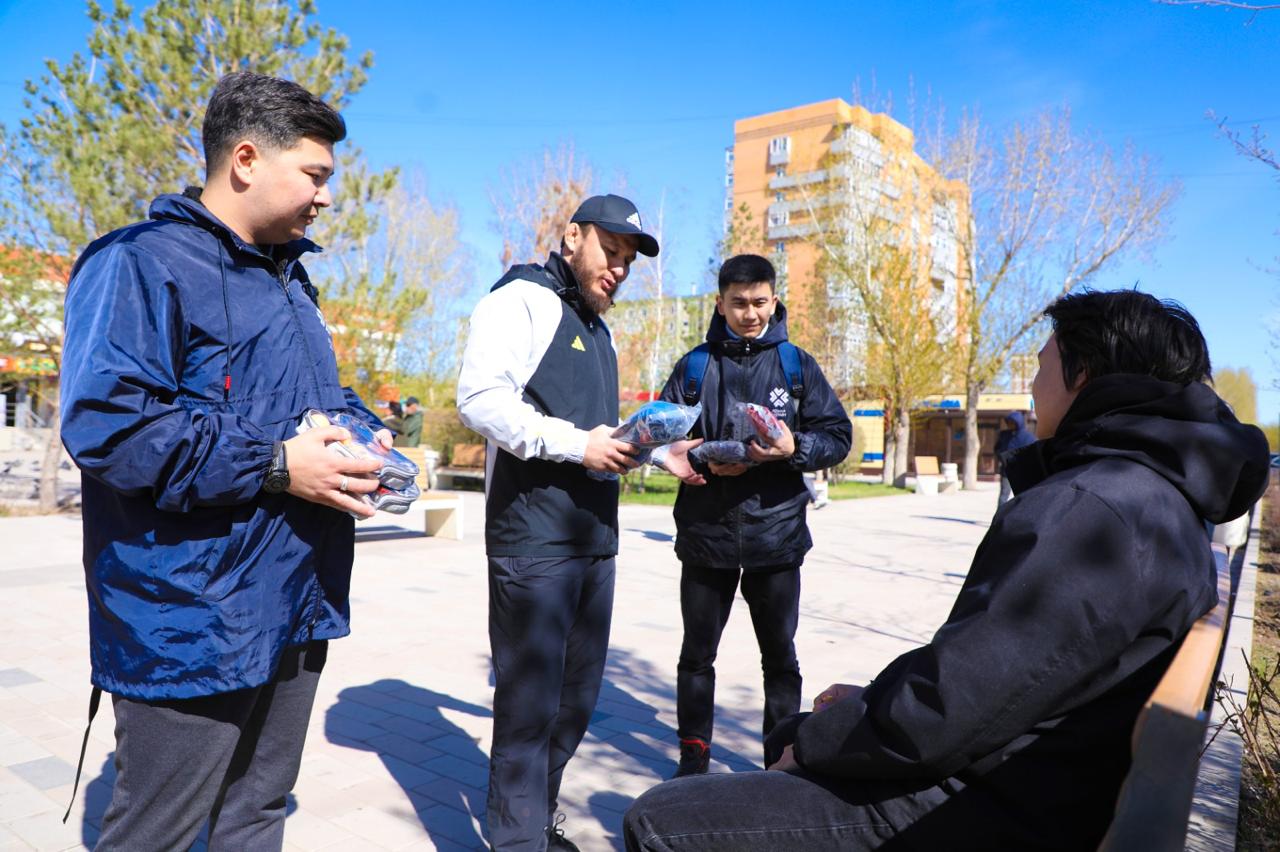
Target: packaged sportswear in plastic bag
[654,424]
[395,501]
[721,452]
[396,486]
[762,420]
[397,471]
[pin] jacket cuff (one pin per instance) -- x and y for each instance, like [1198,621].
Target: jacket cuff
[576,446]
[804,450]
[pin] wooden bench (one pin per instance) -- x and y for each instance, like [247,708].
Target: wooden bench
[1155,800]
[465,462]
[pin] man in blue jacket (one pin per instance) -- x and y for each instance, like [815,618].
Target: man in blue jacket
[218,544]
[1010,728]
[746,526]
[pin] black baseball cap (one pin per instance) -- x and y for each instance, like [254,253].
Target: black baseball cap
[616,215]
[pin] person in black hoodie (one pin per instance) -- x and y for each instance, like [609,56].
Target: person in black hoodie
[1013,438]
[1010,729]
[747,524]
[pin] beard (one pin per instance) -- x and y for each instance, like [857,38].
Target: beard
[598,303]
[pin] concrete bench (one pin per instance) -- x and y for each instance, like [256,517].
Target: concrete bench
[928,477]
[443,515]
[1155,800]
[465,462]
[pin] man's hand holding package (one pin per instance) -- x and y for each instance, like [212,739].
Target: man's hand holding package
[783,448]
[606,454]
[322,476]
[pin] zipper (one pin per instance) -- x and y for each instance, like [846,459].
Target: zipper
[297,321]
[315,383]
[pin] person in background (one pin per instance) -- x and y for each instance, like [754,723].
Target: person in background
[410,424]
[1012,438]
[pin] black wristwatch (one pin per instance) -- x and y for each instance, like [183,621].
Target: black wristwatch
[277,481]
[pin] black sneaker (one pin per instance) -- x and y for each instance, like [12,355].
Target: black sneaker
[556,839]
[695,758]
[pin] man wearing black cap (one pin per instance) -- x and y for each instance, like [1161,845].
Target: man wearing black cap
[540,380]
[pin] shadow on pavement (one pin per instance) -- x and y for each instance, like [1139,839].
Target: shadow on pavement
[441,768]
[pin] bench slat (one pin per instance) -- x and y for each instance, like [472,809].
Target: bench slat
[1185,684]
[1155,799]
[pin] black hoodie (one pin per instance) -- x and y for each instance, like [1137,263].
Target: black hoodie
[756,520]
[1014,721]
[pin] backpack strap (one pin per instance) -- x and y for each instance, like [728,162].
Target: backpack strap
[695,369]
[789,355]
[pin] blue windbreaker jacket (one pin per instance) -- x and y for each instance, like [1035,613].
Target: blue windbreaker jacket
[188,353]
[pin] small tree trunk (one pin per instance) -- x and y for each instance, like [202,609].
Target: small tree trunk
[888,474]
[972,443]
[901,446]
[52,459]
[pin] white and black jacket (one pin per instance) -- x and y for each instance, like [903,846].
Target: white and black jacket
[539,372]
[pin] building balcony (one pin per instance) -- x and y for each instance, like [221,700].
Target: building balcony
[801,229]
[798,179]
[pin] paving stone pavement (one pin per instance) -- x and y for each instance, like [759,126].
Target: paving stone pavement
[397,751]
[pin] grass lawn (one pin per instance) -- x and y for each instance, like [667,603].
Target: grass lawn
[660,490]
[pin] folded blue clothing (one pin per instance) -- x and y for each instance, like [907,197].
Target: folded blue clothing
[654,424]
[721,452]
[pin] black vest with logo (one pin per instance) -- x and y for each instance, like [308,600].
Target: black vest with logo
[544,508]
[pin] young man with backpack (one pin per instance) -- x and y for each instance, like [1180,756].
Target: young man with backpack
[747,524]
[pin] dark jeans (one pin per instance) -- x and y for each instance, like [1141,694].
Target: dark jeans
[775,811]
[778,812]
[706,596]
[229,758]
[549,633]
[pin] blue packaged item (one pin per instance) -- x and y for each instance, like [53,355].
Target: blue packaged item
[654,424]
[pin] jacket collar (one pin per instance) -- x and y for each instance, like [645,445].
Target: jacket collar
[722,338]
[188,208]
[567,286]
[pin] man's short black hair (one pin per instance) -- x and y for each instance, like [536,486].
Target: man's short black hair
[1124,331]
[271,112]
[747,269]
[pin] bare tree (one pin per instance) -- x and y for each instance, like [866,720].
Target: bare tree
[1253,145]
[1253,8]
[1049,209]
[392,293]
[884,285]
[535,200]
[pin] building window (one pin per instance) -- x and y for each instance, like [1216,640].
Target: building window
[778,218]
[779,150]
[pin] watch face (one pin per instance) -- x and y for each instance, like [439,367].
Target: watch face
[276,482]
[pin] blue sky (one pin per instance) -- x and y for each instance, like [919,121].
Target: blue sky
[650,92]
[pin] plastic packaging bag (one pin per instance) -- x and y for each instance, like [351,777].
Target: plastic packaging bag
[761,419]
[654,424]
[397,471]
[721,452]
[397,488]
